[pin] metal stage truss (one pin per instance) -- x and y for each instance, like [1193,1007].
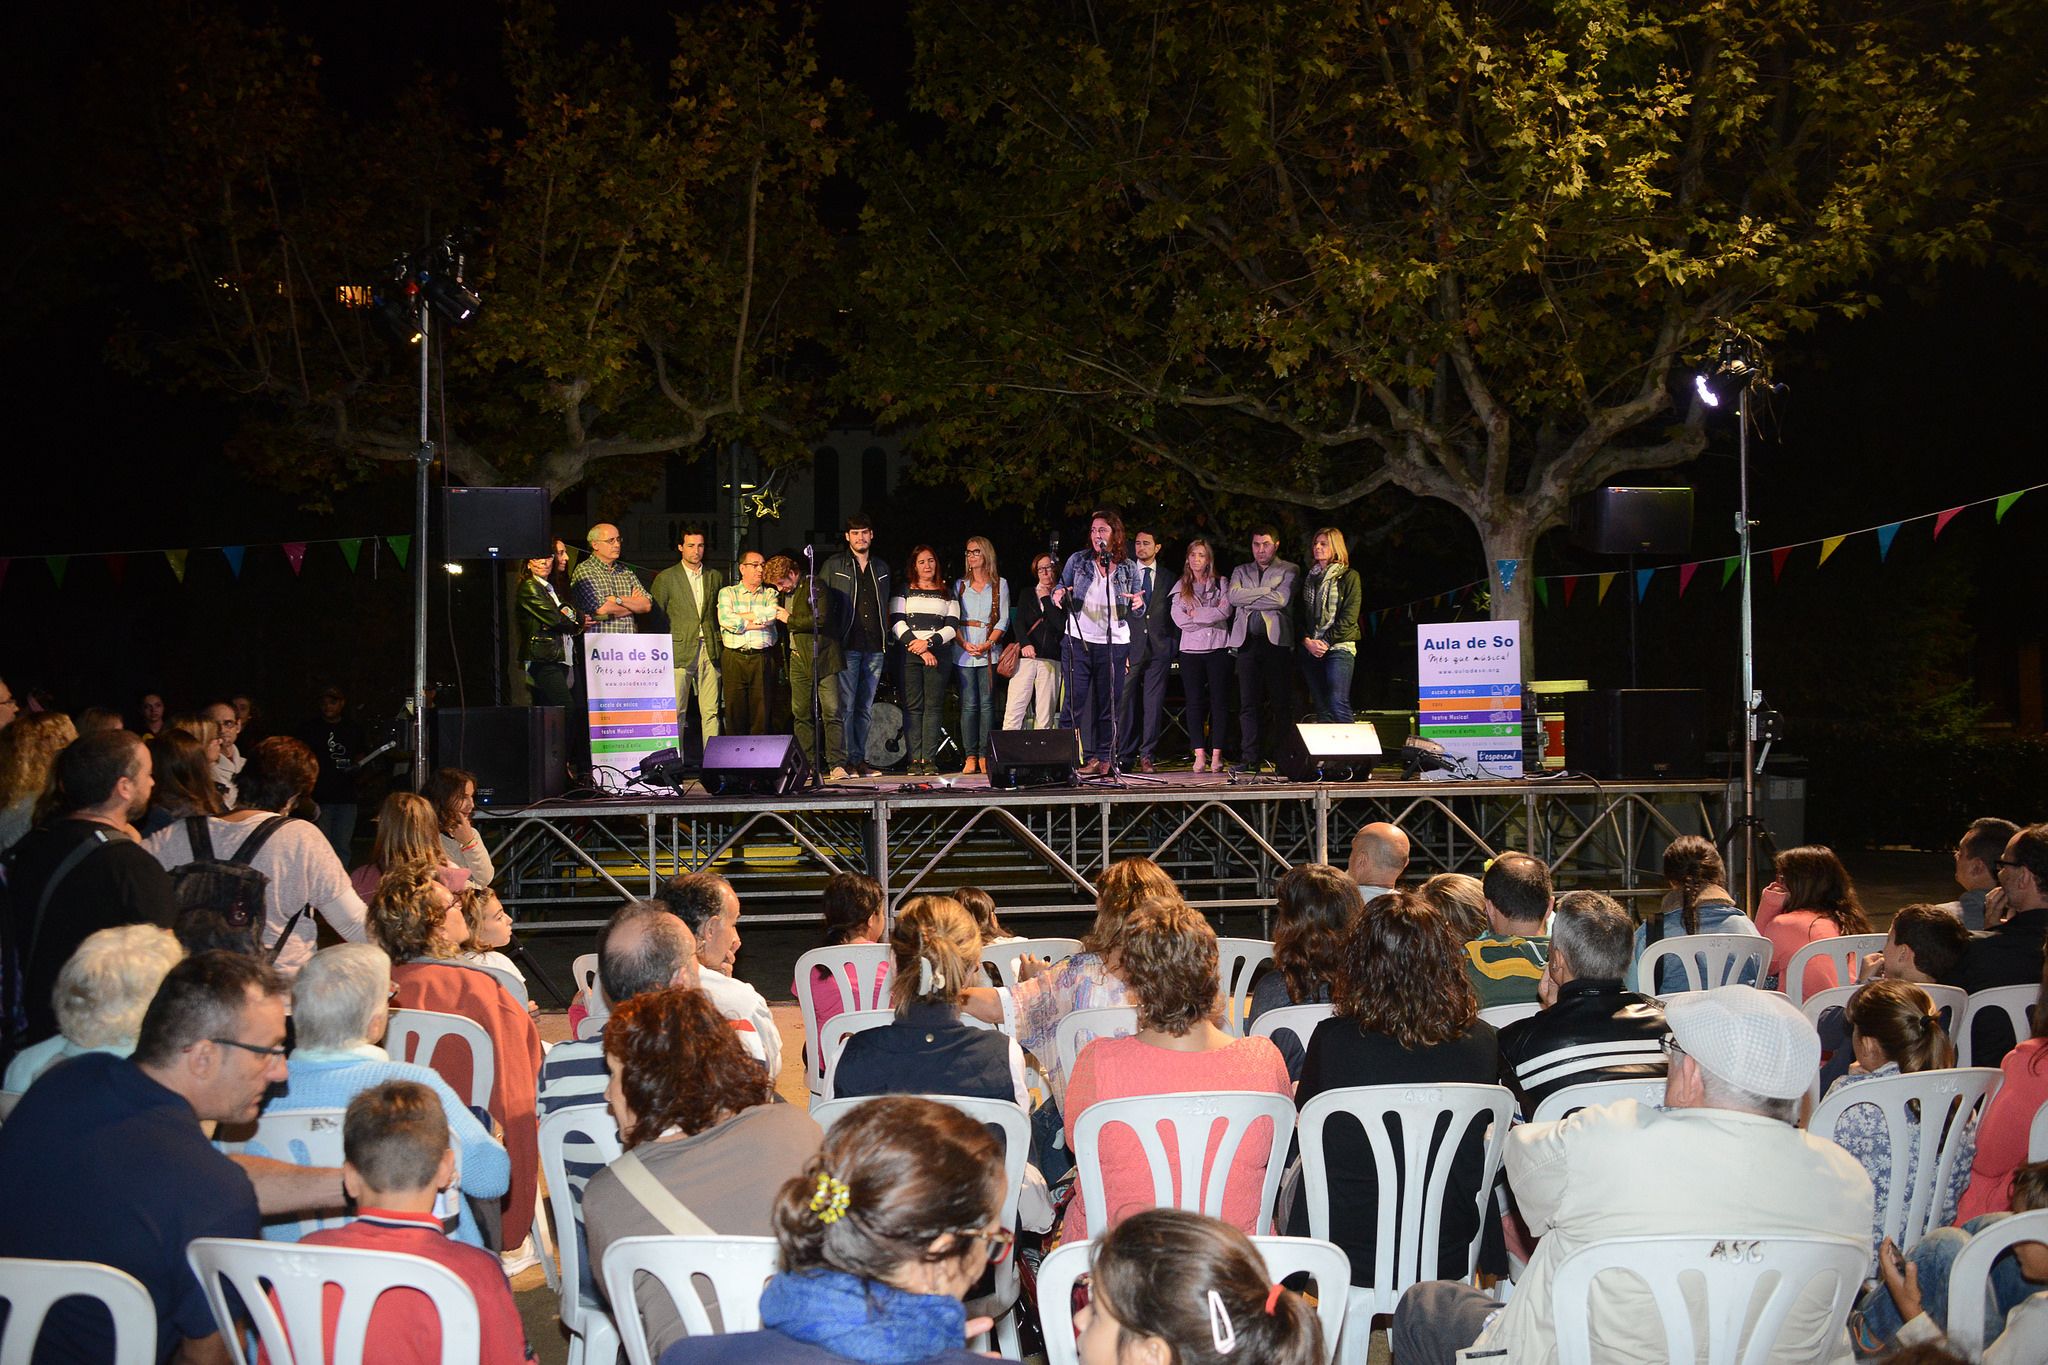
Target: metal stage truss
[1038,852]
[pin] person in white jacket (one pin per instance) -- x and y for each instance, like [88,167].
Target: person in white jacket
[710,907]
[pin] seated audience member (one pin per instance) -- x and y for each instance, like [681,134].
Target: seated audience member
[1741,1061]
[935,951]
[1589,1029]
[1168,1287]
[853,910]
[341,1005]
[1812,898]
[1977,855]
[408,831]
[1459,898]
[395,1160]
[1505,963]
[452,794]
[2009,955]
[184,783]
[1313,907]
[1406,1015]
[1379,855]
[104,1158]
[1912,1306]
[1893,1030]
[100,998]
[1030,1010]
[885,1231]
[708,905]
[489,926]
[706,1149]
[2002,1135]
[28,760]
[307,881]
[1922,946]
[1169,961]
[1697,903]
[982,906]
[418,921]
[107,879]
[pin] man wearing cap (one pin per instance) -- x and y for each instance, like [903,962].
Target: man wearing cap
[1722,1158]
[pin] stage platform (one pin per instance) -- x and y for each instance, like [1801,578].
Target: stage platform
[565,866]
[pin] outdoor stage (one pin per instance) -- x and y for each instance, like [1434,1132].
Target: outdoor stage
[566,866]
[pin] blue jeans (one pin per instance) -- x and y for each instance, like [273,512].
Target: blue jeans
[976,686]
[857,698]
[1329,683]
[1095,678]
[1935,1256]
[338,822]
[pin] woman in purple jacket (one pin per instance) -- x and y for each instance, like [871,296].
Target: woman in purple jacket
[1201,608]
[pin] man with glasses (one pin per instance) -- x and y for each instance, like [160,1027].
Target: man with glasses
[747,615]
[605,590]
[2009,955]
[1977,855]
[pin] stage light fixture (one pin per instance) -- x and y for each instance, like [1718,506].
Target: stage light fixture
[395,317]
[452,567]
[1732,369]
[451,298]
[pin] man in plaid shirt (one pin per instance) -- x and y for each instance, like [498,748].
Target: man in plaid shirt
[605,590]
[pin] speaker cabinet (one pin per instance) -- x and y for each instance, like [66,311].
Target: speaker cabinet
[1032,758]
[1633,521]
[497,523]
[1328,753]
[516,752]
[752,765]
[1627,734]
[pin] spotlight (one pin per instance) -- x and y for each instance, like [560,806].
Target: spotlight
[1733,368]
[394,316]
[663,768]
[452,299]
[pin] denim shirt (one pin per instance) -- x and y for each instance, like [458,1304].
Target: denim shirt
[1078,577]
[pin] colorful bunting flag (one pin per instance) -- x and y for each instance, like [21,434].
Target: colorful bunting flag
[233,554]
[1571,585]
[350,549]
[57,564]
[1729,566]
[1942,519]
[1885,536]
[2005,502]
[1606,582]
[1543,592]
[1643,577]
[1778,558]
[400,545]
[1685,573]
[1829,546]
[295,554]
[177,558]
[1507,569]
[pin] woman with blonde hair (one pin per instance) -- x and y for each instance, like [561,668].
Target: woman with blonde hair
[28,756]
[1201,609]
[984,623]
[408,831]
[1329,634]
[1460,898]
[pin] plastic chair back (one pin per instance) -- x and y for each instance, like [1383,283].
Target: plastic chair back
[31,1287]
[999,960]
[1731,1282]
[597,1009]
[856,968]
[1079,1028]
[1845,951]
[1191,1121]
[736,1268]
[303,1137]
[1299,1020]
[1434,1120]
[416,1036]
[838,1029]
[2015,1002]
[8,1099]
[288,1318]
[1237,962]
[1500,1016]
[1971,1270]
[1570,1099]
[592,1335]
[1947,1101]
[1948,1003]
[2037,1136]
[1708,960]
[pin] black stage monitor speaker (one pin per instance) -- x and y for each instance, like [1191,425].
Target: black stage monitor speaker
[1032,758]
[516,752]
[753,765]
[497,523]
[1633,521]
[1328,753]
[1627,734]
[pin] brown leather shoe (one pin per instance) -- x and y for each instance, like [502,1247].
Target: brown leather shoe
[1096,769]
[1145,766]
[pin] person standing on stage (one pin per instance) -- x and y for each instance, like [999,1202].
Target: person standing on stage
[748,612]
[859,584]
[984,624]
[605,589]
[1201,608]
[688,593]
[1329,626]
[1153,642]
[1262,638]
[1100,588]
[926,618]
[814,663]
[1040,625]
[548,629]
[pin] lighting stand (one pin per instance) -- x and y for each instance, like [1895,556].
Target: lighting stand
[423,461]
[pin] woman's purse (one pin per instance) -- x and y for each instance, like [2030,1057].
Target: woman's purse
[1007,661]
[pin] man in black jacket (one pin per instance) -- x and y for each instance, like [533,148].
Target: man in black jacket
[2009,955]
[1154,641]
[859,584]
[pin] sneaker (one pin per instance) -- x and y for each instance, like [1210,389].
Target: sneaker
[836,775]
[520,1258]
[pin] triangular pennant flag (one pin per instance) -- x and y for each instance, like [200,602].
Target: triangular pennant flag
[1606,582]
[1778,558]
[1885,535]
[1507,569]
[1829,546]
[295,553]
[1643,577]
[400,545]
[117,568]
[57,565]
[1942,519]
[1728,568]
[177,558]
[1543,592]
[1685,573]
[349,550]
[1571,585]
[2005,502]
[233,554]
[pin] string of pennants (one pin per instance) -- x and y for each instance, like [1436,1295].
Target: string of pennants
[295,551]
[1566,586]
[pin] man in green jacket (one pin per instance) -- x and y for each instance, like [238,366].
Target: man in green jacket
[688,594]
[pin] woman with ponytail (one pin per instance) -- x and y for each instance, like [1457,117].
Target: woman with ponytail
[1177,1288]
[1697,903]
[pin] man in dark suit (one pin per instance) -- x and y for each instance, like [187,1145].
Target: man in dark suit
[688,593]
[1154,641]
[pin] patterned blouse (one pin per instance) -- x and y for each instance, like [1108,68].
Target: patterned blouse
[1862,1132]
[1032,1009]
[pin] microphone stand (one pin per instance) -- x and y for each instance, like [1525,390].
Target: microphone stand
[1115,777]
[817,778]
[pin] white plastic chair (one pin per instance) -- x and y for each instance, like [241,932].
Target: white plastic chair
[1411,1200]
[30,1288]
[415,1035]
[1845,951]
[1500,1016]
[303,1137]
[1972,1269]
[1299,1020]
[736,1268]
[2037,1136]
[1948,1002]
[838,1029]
[1324,1261]
[1947,1101]
[1237,962]
[1720,1276]
[999,960]
[1708,960]
[2016,1002]
[593,1337]
[857,970]
[1081,1027]
[8,1099]
[296,1277]
[1568,1100]
[597,1009]
[1192,1121]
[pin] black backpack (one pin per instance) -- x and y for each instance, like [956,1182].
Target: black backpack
[220,904]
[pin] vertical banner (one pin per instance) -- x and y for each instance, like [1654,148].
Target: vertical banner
[632,698]
[1470,679]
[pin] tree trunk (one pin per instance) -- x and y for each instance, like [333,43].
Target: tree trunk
[1508,534]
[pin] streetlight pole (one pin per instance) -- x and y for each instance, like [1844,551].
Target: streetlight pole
[423,461]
